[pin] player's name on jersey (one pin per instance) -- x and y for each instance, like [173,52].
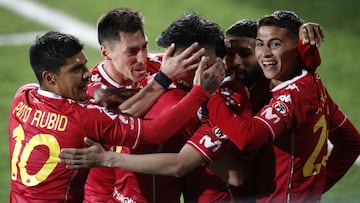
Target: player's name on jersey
[41,119]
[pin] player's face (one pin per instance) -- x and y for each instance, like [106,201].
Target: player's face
[276,53]
[126,58]
[71,82]
[240,59]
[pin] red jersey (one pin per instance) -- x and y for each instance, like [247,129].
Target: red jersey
[296,121]
[209,140]
[158,188]
[99,185]
[41,123]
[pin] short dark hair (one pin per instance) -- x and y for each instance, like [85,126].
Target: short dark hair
[118,20]
[191,28]
[243,28]
[283,19]
[50,51]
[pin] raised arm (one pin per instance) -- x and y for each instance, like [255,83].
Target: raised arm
[205,83]
[310,37]
[172,68]
[311,33]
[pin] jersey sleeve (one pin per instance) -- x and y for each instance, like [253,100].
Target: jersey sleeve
[117,129]
[346,146]
[210,142]
[309,55]
[248,134]
[161,128]
[111,128]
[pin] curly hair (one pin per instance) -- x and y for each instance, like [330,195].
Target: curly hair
[192,28]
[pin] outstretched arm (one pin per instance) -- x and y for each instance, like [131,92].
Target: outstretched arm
[173,164]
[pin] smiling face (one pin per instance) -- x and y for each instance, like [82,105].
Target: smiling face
[71,80]
[276,53]
[126,59]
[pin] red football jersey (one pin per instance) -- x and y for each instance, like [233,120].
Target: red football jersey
[138,187]
[100,182]
[41,123]
[296,121]
[209,140]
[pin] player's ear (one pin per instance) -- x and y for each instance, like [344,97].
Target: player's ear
[104,51]
[48,77]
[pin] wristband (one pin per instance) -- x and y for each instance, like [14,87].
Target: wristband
[162,79]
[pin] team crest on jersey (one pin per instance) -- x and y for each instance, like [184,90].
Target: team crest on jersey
[219,133]
[281,107]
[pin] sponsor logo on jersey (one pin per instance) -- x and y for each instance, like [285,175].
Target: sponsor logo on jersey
[285,98]
[269,115]
[118,196]
[124,119]
[292,87]
[208,143]
[281,108]
[95,78]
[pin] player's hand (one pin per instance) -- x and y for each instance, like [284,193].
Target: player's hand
[175,67]
[311,33]
[112,97]
[211,76]
[92,156]
[232,99]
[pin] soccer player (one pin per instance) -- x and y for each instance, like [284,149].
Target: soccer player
[284,153]
[54,114]
[296,122]
[153,188]
[240,56]
[123,45]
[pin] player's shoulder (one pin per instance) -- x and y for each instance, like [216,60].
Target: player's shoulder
[26,87]
[300,84]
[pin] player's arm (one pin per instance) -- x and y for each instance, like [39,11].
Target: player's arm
[229,169]
[345,139]
[248,134]
[173,164]
[172,67]
[345,151]
[310,37]
[170,121]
